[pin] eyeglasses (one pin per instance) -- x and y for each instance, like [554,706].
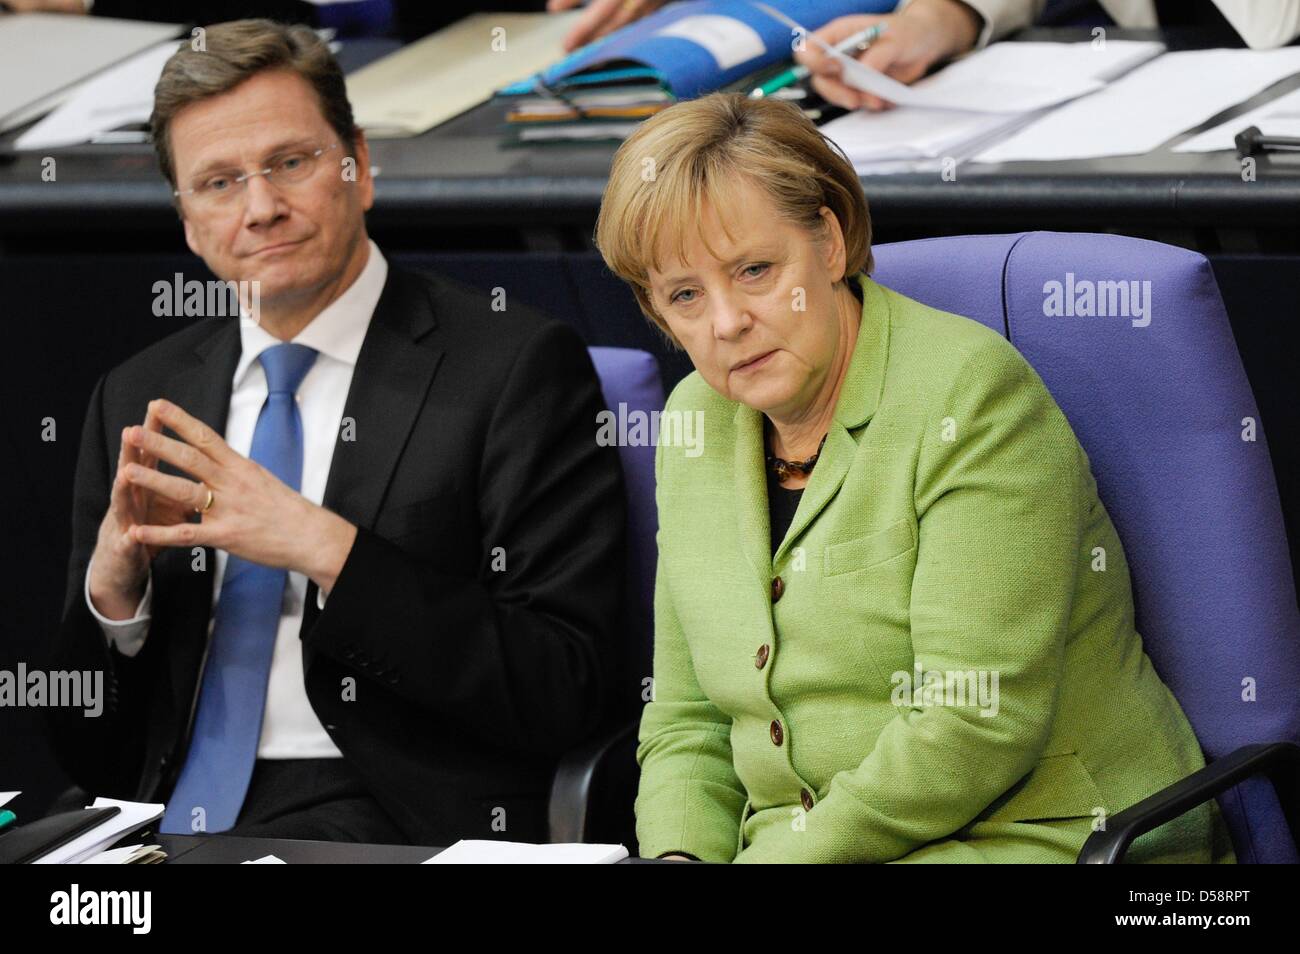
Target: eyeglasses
[220,188]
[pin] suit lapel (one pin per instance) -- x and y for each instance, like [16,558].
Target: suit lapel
[827,477]
[751,491]
[389,387]
[859,396]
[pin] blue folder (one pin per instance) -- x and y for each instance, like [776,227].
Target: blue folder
[671,47]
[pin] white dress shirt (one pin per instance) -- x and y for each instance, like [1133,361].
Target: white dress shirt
[290,728]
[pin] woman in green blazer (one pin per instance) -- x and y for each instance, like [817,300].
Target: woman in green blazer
[893,621]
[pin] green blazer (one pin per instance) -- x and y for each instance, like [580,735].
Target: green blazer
[952,524]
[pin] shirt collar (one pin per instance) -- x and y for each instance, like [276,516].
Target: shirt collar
[338,331]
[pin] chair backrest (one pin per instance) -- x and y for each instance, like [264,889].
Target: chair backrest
[630,382]
[1132,339]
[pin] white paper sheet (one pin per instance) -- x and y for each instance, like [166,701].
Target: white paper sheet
[469,852]
[120,95]
[6,797]
[871,139]
[1277,117]
[43,55]
[1149,106]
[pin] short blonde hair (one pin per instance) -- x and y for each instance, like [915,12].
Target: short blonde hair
[700,150]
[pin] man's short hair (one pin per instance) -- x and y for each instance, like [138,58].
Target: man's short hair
[233,52]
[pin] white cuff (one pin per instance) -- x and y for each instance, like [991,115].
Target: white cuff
[126,635]
[320,598]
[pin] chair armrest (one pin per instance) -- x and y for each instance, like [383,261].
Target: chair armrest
[1280,761]
[572,790]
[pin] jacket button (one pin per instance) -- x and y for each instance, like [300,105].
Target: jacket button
[392,679]
[778,588]
[349,654]
[760,657]
[805,796]
[778,734]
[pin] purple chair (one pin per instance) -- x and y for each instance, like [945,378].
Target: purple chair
[595,786]
[1150,378]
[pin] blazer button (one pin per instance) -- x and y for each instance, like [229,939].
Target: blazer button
[778,588]
[760,657]
[805,796]
[778,734]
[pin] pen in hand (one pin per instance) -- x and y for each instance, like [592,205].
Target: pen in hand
[857,43]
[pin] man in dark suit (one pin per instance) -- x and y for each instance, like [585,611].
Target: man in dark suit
[351,564]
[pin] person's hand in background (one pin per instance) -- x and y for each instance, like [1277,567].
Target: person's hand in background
[44,6]
[601,17]
[923,33]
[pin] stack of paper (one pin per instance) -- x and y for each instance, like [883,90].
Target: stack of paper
[520,853]
[601,112]
[129,855]
[121,95]
[1277,117]
[1149,106]
[133,815]
[43,56]
[975,101]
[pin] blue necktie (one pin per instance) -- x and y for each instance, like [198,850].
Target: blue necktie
[228,723]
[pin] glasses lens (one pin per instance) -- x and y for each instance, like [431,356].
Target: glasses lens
[294,167]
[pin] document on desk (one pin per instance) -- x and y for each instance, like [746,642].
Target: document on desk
[1149,106]
[441,76]
[1009,77]
[878,141]
[121,95]
[133,815]
[43,56]
[470,852]
[128,855]
[1277,117]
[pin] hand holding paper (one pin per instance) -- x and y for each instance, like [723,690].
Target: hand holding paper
[922,34]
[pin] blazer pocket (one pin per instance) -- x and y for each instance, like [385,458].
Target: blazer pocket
[1060,786]
[869,550]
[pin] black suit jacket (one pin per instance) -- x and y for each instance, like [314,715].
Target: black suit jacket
[474,430]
